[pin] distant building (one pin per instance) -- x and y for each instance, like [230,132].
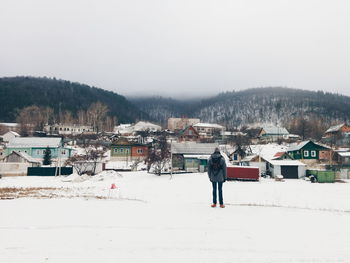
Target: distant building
[208,130]
[337,130]
[176,124]
[129,129]
[66,129]
[11,126]
[272,133]
[123,150]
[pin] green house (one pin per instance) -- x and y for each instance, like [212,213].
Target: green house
[307,150]
[35,147]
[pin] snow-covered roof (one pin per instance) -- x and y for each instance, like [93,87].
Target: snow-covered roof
[296,147]
[208,125]
[142,125]
[193,148]
[344,154]
[335,128]
[287,162]
[197,156]
[267,151]
[30,142]
[27,157]
[275,130]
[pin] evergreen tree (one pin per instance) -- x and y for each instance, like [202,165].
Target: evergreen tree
[47,156]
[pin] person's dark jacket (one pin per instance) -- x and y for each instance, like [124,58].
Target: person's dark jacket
[217,175]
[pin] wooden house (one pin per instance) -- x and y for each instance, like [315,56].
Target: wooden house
[308,150]
[188,134]
[17,163]
[337,130]
[124,150]
[272,133]
[35,147]
[191,156]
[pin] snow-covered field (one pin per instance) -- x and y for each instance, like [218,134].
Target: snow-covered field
[158,219]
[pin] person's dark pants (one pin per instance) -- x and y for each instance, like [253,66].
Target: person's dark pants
[215,187]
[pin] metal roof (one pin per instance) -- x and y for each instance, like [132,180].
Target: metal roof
[27,157]
[296,147]
[193,148]
[35,142]
[275,130]
[335,128]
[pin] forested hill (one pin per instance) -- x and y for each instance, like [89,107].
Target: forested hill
[19,92]
[252,106]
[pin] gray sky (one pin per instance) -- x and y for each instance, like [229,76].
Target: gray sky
[179,47]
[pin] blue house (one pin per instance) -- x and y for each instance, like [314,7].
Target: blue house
[36,147]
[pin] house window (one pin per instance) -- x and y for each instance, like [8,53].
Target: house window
[63,152]
[121,150]
[190,132]
[306,153]
[37,152]
[313,153]
[115,150]
[139,151]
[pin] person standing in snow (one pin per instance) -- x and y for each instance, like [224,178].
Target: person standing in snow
[217,175]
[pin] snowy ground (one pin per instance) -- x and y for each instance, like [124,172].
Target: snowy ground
[158,219]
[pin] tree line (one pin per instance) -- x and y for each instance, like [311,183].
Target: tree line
[34,118]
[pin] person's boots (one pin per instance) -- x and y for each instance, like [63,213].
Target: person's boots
[213,205]
[222,206]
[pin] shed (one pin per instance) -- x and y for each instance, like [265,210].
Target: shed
[189,156]
[290,169]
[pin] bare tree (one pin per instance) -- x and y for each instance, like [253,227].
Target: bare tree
[33,118]
[97,113]
[87,162]
[159,155]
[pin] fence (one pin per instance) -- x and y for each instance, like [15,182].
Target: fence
[48,171]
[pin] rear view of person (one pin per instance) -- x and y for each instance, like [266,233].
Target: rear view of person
[217,175]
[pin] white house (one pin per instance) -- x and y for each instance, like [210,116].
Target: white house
[8,136]
[208,129]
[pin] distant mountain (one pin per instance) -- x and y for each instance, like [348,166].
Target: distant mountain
[253,106]
[61,95]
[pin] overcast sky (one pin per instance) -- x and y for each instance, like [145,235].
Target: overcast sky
[179,47]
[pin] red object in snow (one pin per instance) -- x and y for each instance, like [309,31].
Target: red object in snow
[243,173]
[113,186]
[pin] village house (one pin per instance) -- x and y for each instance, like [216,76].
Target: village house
[16,164]
[188,134]
[337,130]
[129,129]
[66,129]
[272,133]
[209,130]
[309,152]
[191,156]
[35,147]
[176,124]
[124,150]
